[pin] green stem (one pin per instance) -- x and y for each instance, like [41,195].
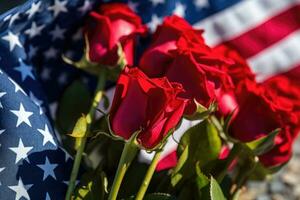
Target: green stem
[244,174]
[141,193]
[82,143]
[234,152]
[129,151]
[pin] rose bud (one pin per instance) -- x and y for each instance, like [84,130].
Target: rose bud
[112,24]
[178,52]
[151,106]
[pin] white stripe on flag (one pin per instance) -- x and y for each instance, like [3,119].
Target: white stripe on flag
[278,58]
[240,18]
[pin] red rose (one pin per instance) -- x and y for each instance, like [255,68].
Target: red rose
[109,25]
[260,112]
[289,92]
[156,58]
[151,105]
[239,71]
[178,52]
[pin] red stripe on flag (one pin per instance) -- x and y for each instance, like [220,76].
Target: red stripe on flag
[266,34]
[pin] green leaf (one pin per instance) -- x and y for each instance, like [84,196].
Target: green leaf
[215,190]
[262,145]
[198,146]
[203,142]
[75,101]
[201,179]
[93,186]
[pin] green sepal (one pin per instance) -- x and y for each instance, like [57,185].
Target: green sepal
[202,112]
[263,145]
[158,147]
[215,190]
[91,67]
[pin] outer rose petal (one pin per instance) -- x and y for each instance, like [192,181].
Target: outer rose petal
[167,162]
[98,32]
[149,105]
[134,102]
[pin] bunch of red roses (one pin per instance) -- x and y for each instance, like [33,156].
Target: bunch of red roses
[178,76]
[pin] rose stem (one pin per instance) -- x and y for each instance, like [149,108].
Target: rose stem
[141,193]
[129,151]
[242,179]
[89,118]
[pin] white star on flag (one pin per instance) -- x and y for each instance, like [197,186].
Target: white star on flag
[50,53]
[17,87]
[155,21]
[13,40]
[33,9]
[2,131]
[67,155]
[48,169]
[32,51]
[133,5]
[21,151]
[20,190]
[34,30]
[47,135]
[13,18]
[57,33]
[25,70]
[201,3]
[23,116]
[156,2]
[58,7]
[179,9]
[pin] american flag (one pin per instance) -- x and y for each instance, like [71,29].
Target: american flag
[32,75]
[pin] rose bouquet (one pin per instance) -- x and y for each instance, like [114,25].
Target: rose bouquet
[243,130]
